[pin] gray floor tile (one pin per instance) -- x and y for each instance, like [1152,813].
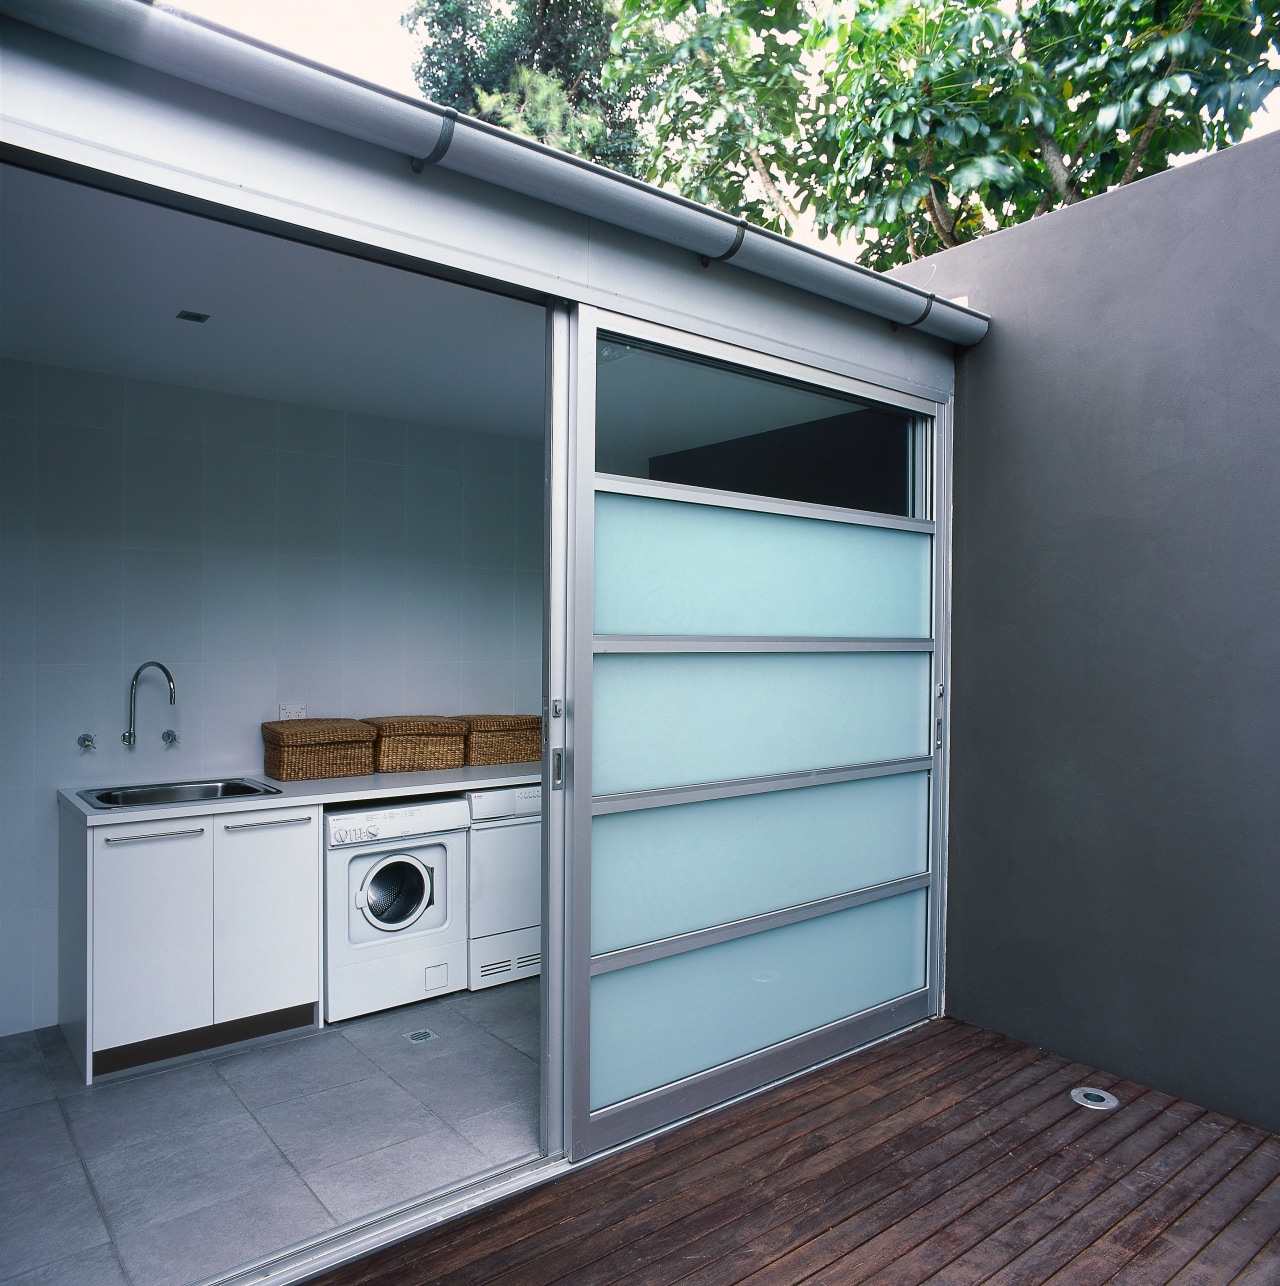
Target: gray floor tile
[344,1123]
[396,1174]
[511,1012]
[506,1133]
[34,1138]
[46,1217]
[96,1267]
[476,1080]
[121,1113]
[23,1078]
[67,1077]
[175,1174]
[294,1069]
[381,1038]
[215,1238]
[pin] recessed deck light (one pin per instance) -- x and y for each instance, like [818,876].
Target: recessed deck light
[187,315]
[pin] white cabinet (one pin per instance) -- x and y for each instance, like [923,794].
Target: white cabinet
[152,899]
[172,925]
[266,912]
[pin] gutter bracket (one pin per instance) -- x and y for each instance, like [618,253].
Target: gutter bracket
[436,155]
[739,237]
[928,308]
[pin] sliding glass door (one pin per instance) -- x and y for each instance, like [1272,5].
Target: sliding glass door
[753,732]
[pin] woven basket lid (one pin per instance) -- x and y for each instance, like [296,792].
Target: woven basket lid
[502,722]
[420,725]
[315,732]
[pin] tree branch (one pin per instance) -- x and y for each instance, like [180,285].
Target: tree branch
[1059,175]
[912,249]
[782,207]
[943,224]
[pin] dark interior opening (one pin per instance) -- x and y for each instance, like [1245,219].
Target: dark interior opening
[860,460]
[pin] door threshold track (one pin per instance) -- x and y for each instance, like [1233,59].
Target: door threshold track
[307,1259]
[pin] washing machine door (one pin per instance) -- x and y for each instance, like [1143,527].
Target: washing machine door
[395,891]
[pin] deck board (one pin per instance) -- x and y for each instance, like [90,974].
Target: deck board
[947,1154]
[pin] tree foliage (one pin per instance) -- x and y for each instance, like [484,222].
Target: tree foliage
[534,66]
[913,125]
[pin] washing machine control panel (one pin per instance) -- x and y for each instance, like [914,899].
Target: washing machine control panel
[372,825]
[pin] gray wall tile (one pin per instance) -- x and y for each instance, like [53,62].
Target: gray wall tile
[374,509]
[67,396]
[163,492]
[485,453]
[373,437]
[17,387]
[17,857]
[487,615]
[488,521]
[232,420]
[78,605]
[308,605]
[240,499]
[312,429]
[310,498]
[433,612]
[433,687]
[17,477]
[239,607]
[163,605]
[79,483]
[166,410]
[433,517]
[434,449]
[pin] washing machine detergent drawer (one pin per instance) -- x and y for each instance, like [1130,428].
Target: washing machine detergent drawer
[386,981]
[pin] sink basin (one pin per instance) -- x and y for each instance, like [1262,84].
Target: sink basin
[174,792]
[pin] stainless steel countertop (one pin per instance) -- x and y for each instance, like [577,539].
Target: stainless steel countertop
[335,790]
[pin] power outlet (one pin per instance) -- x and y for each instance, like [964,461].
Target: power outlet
[293,712]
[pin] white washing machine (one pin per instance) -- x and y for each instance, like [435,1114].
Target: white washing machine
[504,892]
[395,905]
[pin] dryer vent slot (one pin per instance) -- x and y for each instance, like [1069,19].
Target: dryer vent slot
[529,962]
[495,967]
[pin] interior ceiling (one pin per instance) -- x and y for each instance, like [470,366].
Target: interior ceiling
[93,280]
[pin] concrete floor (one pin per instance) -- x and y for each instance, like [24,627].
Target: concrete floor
[171,1174]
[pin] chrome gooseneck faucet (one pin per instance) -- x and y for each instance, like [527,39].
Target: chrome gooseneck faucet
[128,737]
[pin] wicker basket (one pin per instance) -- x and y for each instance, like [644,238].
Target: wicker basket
[308,749]
[503,738]
[418,742]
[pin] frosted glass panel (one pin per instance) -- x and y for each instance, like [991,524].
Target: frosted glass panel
[676,719]
[664,871]
[668,567]
[656,1023]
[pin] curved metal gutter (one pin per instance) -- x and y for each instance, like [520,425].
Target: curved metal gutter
[209,55]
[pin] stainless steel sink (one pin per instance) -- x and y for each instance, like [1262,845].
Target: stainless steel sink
[174,792]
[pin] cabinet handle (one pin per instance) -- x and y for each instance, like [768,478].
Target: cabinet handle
[279,821]
[129,839]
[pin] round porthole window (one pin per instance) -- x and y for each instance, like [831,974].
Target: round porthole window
[397,890]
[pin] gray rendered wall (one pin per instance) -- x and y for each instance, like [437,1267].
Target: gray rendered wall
[1115,817]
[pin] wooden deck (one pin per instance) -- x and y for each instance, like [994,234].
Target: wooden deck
[950,1155]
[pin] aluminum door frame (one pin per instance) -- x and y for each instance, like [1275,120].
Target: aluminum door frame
[571,646]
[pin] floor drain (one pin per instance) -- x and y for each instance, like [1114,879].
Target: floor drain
[1099,1100]
[417,1037]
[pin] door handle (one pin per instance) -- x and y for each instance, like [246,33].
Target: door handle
[557,769]
[129,839]
[279,821]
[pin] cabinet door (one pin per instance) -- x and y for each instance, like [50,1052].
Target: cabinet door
[266,911]
[152,929]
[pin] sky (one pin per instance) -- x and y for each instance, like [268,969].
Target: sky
[364,38]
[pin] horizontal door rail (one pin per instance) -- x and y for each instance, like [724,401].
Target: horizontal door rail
[676,945]
[667,1103]
[129,839]
[278,821]
[680,491]
[609,644]
[665,796]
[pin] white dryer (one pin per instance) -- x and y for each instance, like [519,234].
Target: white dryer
[395,905]
[504,890]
